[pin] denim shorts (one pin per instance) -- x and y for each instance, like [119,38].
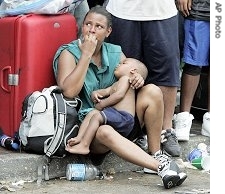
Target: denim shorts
[196,42]
[121,121]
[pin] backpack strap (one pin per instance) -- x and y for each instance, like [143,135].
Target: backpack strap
[60,110]
[51,148]
[43,169]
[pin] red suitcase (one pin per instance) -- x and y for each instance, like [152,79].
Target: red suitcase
[27,47]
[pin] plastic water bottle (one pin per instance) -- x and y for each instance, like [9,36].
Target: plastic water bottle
[82,172]
[8,142]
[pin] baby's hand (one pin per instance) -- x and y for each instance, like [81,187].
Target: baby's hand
[98,106]
[96,97]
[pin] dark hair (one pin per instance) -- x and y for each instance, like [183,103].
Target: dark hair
[101,10]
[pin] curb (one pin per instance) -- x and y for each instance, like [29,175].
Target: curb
[23,166]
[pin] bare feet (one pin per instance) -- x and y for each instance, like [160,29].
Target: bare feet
[73,141]
[78,149]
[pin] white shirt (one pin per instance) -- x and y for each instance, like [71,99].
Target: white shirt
[142,10]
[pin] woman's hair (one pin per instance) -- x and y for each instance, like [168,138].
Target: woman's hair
[101,10]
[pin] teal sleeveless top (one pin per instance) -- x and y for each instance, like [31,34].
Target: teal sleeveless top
[96,78]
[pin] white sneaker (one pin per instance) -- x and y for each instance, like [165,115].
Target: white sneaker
[206,125]
[161,158]
[182,125]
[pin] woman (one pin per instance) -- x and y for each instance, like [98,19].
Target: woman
[88,64]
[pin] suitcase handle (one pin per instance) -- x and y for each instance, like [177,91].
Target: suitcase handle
[7,68]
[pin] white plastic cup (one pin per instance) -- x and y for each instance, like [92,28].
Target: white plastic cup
[205,163]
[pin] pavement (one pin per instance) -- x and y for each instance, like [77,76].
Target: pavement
[19,166]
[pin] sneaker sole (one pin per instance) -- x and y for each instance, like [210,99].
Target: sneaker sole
[183,138]
[171,181]
[182,176]
[166,153]
[149,171]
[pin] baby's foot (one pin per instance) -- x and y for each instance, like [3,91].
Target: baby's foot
[77,149]
[73,141]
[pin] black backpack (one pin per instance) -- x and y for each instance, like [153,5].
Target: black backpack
[48,121]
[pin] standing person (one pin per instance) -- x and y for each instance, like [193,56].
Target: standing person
[87,65]
[148,31]
[79,13]
[115,105]
[93,3]
[195,56]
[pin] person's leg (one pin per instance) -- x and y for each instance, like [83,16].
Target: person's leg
[108,139]
[129,37]
[79,14]
[83,146]
[150,110]
[209,91]
[206,117]
[163,67]
[124,148]
[189,84]
[169,98]
[195,55]
[82,130]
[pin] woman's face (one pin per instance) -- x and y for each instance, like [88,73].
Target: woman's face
[97,25]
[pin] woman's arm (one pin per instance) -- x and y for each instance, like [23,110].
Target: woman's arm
[71,75]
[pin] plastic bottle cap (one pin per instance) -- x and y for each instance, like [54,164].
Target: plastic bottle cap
[15,146]
[202,146]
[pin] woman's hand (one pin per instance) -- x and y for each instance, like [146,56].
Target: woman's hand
[136,80]
[88,44]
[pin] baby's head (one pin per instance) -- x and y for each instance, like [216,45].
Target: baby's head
[130,66]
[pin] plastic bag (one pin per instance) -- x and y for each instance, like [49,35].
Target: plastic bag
[18,7]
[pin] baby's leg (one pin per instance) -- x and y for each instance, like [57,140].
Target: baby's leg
[82,129]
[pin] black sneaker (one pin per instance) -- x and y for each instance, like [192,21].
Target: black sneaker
[142,142]
[170,174]
[169,143]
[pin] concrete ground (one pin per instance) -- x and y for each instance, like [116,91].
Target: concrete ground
[122,182]
[19,174]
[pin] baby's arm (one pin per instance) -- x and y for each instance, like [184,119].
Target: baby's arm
[98,95]
[118,91]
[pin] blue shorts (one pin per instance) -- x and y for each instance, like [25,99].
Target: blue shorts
[196,42]
[155,43]
[121,121]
